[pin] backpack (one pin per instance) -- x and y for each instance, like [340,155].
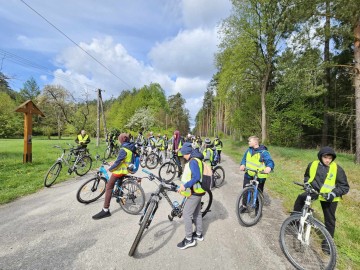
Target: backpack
[135,163]
[207,181]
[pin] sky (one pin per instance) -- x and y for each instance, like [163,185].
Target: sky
[113,45]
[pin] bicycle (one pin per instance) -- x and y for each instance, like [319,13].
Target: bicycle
[218,174]
[304,240]
[169,169]
[82,163]
[153,159]
[111,150]
[153,203]
[130,195]
[250,202]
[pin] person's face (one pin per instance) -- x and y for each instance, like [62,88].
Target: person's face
[252,142]
[187,156]
[326,159]
[83,132]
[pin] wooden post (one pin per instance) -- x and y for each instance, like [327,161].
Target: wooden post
[28,108]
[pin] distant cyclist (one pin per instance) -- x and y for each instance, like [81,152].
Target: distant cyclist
[82,139]
[218,145]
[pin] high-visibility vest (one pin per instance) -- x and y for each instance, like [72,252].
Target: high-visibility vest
[330,180]
[253,162]
[211,154]
[217,144]
[122,167]
[186,177]
[179,147]
[160,144]
[82,139]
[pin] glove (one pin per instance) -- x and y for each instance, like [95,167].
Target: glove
[330,197]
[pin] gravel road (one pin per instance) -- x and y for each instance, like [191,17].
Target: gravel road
[52,230]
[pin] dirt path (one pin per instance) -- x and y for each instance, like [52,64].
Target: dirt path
[51,230]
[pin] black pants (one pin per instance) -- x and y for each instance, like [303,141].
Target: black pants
[247,179]
[329,209]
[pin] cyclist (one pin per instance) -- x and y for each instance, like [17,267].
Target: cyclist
[151,140]
[191,187]
[208,152]
[82,139]
[256,157]
[325,176]
[177,143]
[111,139]
[160,144]
[166,145]
[218,145]
[118,169]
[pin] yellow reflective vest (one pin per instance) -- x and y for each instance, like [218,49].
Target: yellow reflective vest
[330,180]
[253,163]
[122,168]
[179,147]
[82,139]
[217,144]
[186,177]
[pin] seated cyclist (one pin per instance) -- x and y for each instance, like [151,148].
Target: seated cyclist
[118,169]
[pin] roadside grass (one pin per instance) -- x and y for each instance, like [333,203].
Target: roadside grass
[18,179]
[290,165]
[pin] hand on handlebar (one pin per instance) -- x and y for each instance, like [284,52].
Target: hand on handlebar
[181,188]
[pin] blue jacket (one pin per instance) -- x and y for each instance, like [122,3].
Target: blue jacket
[194,167]
[264,156]
[122,154]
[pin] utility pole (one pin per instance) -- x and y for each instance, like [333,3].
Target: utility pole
[100,110]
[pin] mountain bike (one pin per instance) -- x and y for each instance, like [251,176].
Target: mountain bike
[153,159]
[169,169]
[80,158]
[111,150]
[153,203]
[130,195]
[304,240]
[250,202]
[218,174]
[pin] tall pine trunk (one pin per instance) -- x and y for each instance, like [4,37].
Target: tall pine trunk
[357,86]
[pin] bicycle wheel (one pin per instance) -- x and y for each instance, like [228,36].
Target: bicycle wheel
[248,212]
[152,161]
[83,165]
[52,174]
[206,201]
[167,171]
[219,176]
[107,153]
[91,190]
[144,224]
[142,161]
[133,197]
[318,252]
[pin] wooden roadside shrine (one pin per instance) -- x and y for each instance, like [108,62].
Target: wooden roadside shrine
[28,108]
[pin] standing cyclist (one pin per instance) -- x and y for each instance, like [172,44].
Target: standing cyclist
[218,145]
[82,139]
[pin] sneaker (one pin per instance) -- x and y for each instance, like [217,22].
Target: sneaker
[198,237]
[102,214]
[186,243]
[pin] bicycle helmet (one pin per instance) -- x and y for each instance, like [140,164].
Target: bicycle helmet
[207,141]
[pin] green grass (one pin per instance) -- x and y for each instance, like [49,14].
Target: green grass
[18,179]
[290,165]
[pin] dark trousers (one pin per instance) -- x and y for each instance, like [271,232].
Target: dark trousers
[329,209]
[247,179]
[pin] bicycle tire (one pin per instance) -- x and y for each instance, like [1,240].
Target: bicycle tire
[317,255]
[91,190]
[167,172]
[83,165]
[53,172]
[219,176]
[206,201]
[249,216]
[107,153]
[143,225]
[133,198]
[151,161]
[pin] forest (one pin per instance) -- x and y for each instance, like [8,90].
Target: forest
[287,71]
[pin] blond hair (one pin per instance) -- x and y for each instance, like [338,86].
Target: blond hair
[254,138]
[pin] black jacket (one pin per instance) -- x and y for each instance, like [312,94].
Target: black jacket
[341,183]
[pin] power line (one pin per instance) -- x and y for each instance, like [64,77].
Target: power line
[75,43]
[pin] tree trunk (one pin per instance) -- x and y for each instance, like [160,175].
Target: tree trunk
[357,87]
[325,127]
[263,105]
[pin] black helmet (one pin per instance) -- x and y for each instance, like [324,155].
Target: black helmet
[207,141]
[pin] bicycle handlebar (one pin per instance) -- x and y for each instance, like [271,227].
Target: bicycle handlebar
[171,186]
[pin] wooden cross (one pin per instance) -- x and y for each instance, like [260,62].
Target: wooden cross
[28,108]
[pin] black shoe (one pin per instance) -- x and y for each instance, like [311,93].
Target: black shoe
[102,214]
[198,237]
[186,243]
